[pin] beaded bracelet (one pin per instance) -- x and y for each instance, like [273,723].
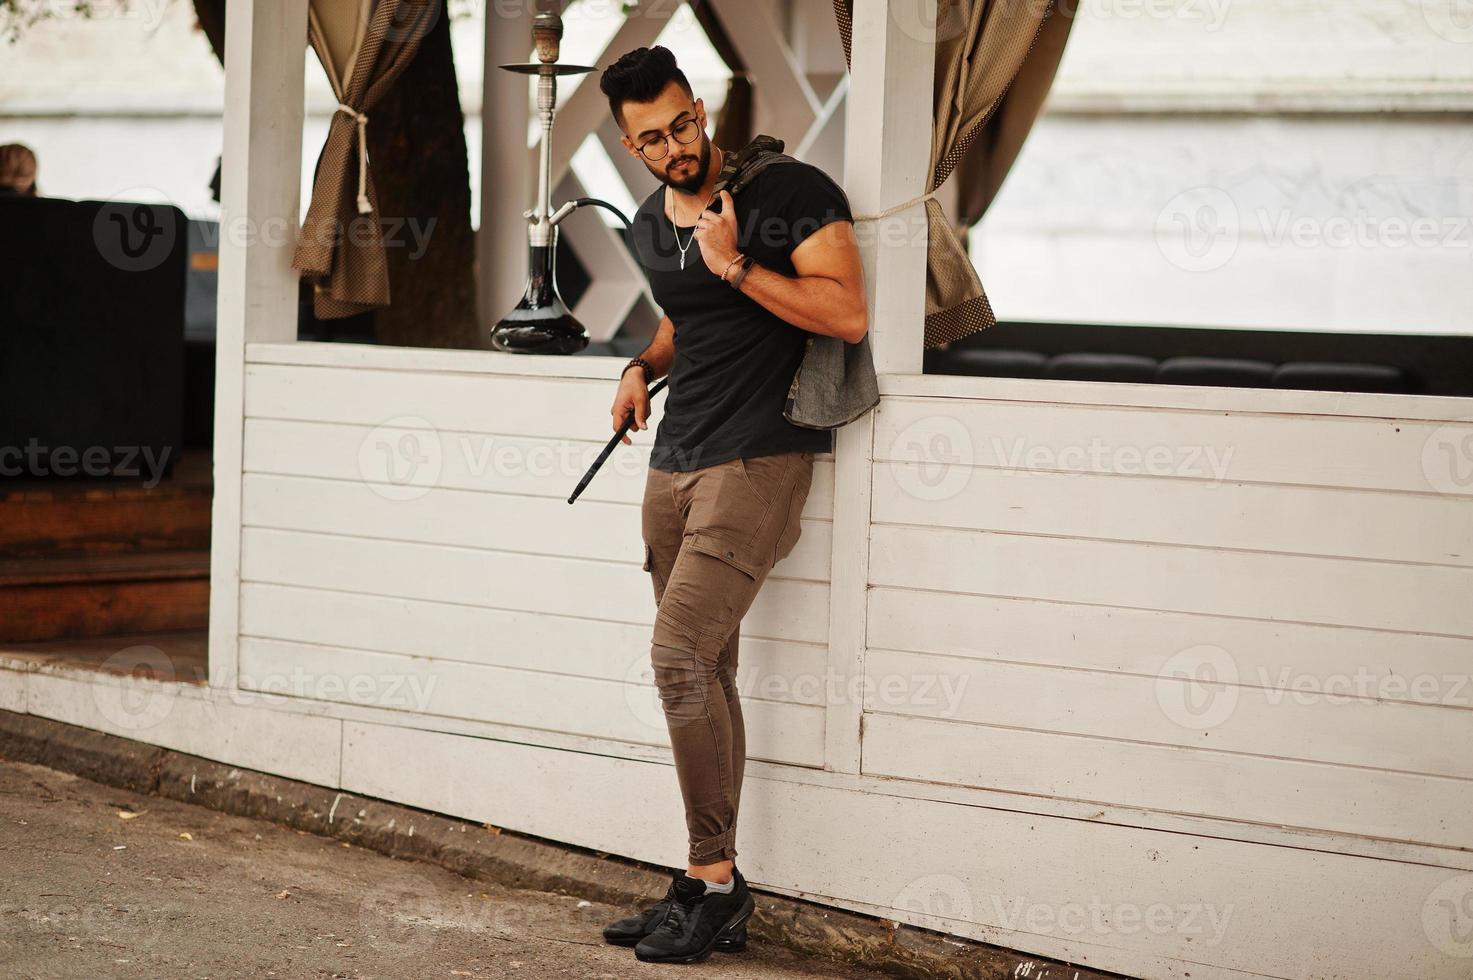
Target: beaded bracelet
[736,258]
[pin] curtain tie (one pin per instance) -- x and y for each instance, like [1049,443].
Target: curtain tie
[875,215]
[362,120]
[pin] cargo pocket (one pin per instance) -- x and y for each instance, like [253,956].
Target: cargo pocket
[734,555]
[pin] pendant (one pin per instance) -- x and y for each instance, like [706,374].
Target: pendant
[682,260]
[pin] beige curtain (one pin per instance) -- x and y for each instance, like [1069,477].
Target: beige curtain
[364,45]
[995,61]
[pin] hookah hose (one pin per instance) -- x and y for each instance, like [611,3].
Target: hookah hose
[628,421]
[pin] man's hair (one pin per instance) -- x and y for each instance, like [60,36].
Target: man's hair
[640,76]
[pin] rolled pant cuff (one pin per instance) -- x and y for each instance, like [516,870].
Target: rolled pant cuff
[722,847]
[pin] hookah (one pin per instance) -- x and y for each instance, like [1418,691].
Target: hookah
[542,323]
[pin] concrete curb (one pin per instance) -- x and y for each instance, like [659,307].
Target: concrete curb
[503,857]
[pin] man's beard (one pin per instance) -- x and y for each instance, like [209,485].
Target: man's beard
[690,178]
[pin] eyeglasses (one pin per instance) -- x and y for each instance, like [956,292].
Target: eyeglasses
[684,133]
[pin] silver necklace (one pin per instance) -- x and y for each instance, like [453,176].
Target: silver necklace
[676,230]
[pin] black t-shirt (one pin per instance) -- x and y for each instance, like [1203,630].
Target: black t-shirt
[734,358]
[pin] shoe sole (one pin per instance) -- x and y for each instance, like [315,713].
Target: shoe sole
[723,945]
[737,921]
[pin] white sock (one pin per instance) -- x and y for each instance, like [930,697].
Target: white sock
[711,886]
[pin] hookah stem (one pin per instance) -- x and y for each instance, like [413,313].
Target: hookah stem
[628,421]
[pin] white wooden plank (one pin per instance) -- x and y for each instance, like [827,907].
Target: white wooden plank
[1223,908]
[228,728]
[1377,595]
[1215,446]
[627,710]
[1260,517]
[473,461]
[1306,660]
[908,386]
[1283,792]
[1173,710]
[615,591]
[441,400]
[430,360]
[775,670]
[508,522]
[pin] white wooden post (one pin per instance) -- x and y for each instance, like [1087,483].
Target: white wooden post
[260,192]
[886,150]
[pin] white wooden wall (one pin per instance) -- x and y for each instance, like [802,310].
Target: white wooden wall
[1250,614]
[475,571]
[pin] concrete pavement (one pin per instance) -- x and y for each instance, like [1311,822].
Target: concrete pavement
[180,891]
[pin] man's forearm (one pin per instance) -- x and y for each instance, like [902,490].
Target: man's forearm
[813,303]
[661,352]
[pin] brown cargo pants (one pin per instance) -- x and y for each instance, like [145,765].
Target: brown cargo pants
[711,535]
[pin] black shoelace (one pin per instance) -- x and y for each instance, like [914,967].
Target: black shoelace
[679,911]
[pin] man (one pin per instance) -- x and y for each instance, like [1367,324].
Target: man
[742,283]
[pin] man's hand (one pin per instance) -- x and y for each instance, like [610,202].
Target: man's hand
[632,396]
[717,234]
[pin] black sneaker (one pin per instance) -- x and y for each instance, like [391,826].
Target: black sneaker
[630,930]
[696,921]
